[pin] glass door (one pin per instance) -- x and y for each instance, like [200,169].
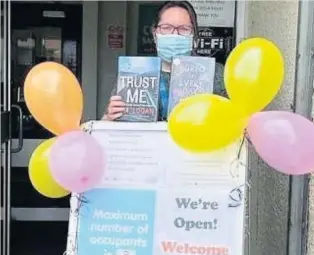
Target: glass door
[5,105]
[51,31]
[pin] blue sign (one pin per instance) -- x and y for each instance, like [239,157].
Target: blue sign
[116,222]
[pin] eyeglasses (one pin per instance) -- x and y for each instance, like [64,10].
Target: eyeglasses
[169,29]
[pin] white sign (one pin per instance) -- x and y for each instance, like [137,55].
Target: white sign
[156,199]
[220,13]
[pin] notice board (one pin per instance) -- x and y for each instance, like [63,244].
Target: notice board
[157,199]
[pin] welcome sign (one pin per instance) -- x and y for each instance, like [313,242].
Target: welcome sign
[157,199]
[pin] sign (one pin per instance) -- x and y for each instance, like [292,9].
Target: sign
[157,199]
[115,37]
[219,13]
[216,42]
[145,41]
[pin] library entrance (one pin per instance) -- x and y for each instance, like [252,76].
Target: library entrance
[31,33]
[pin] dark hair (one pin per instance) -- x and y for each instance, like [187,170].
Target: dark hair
[186,5]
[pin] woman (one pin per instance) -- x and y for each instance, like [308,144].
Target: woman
[175,32]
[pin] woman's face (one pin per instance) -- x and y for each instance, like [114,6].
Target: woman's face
[175,20]
[174,34]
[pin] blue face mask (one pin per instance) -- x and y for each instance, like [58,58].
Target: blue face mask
[172,45]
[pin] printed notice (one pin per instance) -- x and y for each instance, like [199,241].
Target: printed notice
[132,157]
[197,222]
[219,13]
[157,199]
[117,222]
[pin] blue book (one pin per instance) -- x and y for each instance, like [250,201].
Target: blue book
[138,85]
[190,76]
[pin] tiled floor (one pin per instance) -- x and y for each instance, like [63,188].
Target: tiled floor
[38,238]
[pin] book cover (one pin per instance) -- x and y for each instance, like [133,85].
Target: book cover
[138,85]
[190,76]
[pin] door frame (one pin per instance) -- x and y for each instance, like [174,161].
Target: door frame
[241,20]
[301,187]
[5,211]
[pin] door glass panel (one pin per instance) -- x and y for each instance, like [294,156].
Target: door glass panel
[43,36]
[23,53]
[70,55]
[31,46]
[51,45]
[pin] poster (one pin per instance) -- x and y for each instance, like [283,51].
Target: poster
[145,41]
[115,37]
[215,13]
[156,199]
[216,42]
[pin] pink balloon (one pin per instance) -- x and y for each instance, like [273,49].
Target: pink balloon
[284,140]
[77,161]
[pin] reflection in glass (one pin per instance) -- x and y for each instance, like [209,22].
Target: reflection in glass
[30,47]
[70,55]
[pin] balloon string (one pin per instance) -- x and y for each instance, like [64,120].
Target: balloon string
[247,190]
[79,201]
[237,198]
[236,195]
[247,136]
[240,148]
[88,127]
[82,200]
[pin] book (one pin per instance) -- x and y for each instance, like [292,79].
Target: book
[138,85]
[190,76]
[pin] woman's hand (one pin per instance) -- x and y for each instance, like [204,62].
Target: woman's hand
[115,109]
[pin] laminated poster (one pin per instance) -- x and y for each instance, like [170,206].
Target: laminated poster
[156,199]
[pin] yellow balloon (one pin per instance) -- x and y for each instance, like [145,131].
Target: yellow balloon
[205,123]
[39,172]
[254,74]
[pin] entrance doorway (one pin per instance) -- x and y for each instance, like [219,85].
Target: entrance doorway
[36,32]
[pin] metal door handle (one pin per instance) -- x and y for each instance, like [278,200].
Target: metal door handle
[20,138]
